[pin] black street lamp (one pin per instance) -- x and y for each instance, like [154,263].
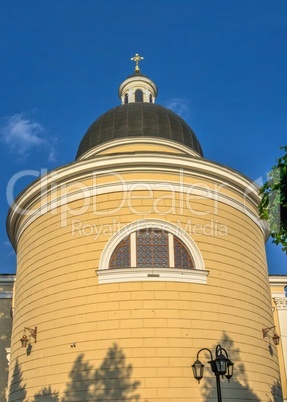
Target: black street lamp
[221,365]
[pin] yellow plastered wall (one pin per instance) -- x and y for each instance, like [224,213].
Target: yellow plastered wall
[279,305]
[139,148]
[158,326]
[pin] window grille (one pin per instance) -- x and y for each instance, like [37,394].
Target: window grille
[152,250]
[181,256]
[121,257]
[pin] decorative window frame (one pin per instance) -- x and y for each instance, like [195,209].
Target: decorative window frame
[106,275]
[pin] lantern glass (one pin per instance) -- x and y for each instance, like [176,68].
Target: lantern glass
[198,369]
[276,339]
[24,341]
[221,364]
[229,372]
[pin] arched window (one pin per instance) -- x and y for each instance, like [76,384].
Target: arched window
[150,98]
[126,98]
[139,95]
[150,248]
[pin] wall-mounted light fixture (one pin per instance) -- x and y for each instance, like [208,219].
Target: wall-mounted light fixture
[32,332]
[275,337]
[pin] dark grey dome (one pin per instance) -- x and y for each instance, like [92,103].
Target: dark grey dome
[138,120]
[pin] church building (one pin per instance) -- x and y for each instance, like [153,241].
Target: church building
[132,259]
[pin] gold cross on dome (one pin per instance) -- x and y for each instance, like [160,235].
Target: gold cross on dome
[137,58]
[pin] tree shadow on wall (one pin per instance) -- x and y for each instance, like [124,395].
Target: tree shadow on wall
[17,390]
[46,395]
[276,392]
[239,389]
[81,378]
[111,382]
[113,379]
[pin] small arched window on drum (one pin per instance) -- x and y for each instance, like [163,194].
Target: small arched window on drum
[139,95]
[151,248]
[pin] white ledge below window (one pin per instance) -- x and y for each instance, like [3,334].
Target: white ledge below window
[152,274]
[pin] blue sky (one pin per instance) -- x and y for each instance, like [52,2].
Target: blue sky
[221,64]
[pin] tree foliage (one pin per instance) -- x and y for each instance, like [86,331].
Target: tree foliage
[273,205]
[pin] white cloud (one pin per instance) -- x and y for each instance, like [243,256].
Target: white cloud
[8,246]
[22,135]
[179,106]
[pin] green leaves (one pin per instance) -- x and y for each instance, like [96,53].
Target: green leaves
[273,205]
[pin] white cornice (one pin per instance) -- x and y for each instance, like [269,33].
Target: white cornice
[129,186]
[278,280]
[153,162]
[198,168]
[138,141]
[4,279]
[278,283]
[152,275]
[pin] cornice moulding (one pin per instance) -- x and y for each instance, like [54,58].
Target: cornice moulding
[121,164]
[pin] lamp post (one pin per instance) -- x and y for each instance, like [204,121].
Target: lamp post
[221,365]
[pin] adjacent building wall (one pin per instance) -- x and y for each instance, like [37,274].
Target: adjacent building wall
[6,293]
[278,286]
